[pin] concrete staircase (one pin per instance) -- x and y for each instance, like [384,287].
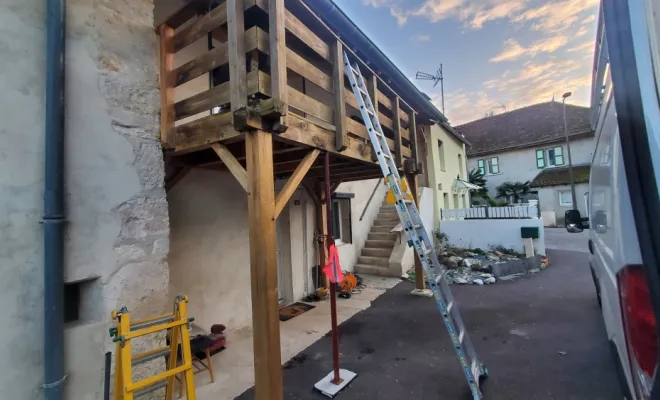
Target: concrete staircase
[375,257]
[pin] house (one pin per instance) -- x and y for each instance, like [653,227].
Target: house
[445,160]
[529,144]
[184,153]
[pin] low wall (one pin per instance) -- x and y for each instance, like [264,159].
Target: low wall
[485,233]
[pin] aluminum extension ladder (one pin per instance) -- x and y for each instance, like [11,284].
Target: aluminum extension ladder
[176,324]
[417,237]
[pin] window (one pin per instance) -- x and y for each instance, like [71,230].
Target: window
[441,155]
[481,166]
[341,218]
[540,159]
[556,156]
[565,198]
[549,157]
[445,199]
[464,203]
[456,205]
[493,166]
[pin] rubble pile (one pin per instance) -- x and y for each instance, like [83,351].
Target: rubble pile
[476,267]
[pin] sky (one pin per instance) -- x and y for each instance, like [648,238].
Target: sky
[497,55]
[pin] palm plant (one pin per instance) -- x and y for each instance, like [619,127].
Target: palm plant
[513,190]
[476,177]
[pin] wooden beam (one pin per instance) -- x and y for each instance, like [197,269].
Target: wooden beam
[396,122]
[307,70]
[203,25]
[412,129]
[419,271]
[232,164]
[339,89]
[278,54]
[294,181]
[167,115]
[295,26]
[372,88]
[335,185]
[203,131]
[237,69]
[263,266]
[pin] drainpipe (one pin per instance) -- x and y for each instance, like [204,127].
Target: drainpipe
[54,218]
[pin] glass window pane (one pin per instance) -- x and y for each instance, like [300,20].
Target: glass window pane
[559,160]
[540,163]
[494,160]
[559,151]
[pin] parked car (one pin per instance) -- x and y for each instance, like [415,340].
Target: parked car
[623,201]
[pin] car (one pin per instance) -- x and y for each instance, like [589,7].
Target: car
[623,200]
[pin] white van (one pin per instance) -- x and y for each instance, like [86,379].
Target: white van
[623,201]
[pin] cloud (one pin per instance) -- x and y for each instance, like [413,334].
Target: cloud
[422,37]
[589,19]
[583,47]
[401,16]
[556,16]
[515,88]
[513,50]
[473,13]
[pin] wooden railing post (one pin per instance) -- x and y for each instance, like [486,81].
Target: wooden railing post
[237,69]
[396,127]
[412,130]
[341,140]
[278,77]
[167,115]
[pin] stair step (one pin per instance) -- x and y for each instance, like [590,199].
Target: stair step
[381,229]
[382,236]
[376,252]
[381,244]
[380,261]
[387,217]
[375,270]
[390,223]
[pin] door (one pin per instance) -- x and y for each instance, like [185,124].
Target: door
[283,254]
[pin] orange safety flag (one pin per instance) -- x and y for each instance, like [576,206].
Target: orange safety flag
[332,269]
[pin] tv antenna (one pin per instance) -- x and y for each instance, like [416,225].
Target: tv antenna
[437,78]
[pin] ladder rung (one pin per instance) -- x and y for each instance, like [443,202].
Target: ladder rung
[151,355]
[157,321]
[356,71]
[461,335]
[152,380]
[150,389]
[450,306]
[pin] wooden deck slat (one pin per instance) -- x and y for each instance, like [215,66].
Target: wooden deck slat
[201,27]
[295,26]
[313,107]
[255,39]
[204,131]
[304,68]
[203,101]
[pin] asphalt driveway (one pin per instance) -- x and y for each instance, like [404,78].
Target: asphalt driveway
[541,337]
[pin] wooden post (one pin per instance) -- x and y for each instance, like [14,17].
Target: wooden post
[372,88]
[278,77]
[412,130]
[396,127]
[237,60]
[341,140]
[419,271]
[294,180]
[263,266]
[167,115]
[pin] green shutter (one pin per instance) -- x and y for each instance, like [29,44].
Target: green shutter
[559,156]
[540,159]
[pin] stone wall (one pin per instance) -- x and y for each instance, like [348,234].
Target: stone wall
[118,227]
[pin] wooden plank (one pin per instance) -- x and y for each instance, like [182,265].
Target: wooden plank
[167,115]
[236,40]
[307,70]
[232,164]
[255,39]
[294,181]
[412,136]
[258,82]
[202,26]
[204,131]
[295,26]
[358,129]
[203,101]
[263,266]
[372,89]
[303,131]
[310,106]
[278,54]
[388,103]
[350,100]
[398,157]
[339,89]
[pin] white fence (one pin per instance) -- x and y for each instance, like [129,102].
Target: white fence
[511,212]
[488,233]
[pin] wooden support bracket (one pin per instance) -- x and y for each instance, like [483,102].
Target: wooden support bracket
[232,164]
[294,181]
[167,116]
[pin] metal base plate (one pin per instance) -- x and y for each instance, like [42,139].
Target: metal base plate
[328,388]
[422,292]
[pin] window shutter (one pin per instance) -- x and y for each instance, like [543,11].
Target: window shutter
[540,159]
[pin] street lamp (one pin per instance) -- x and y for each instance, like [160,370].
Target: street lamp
[568,150]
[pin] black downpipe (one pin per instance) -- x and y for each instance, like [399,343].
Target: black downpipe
[54,218]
